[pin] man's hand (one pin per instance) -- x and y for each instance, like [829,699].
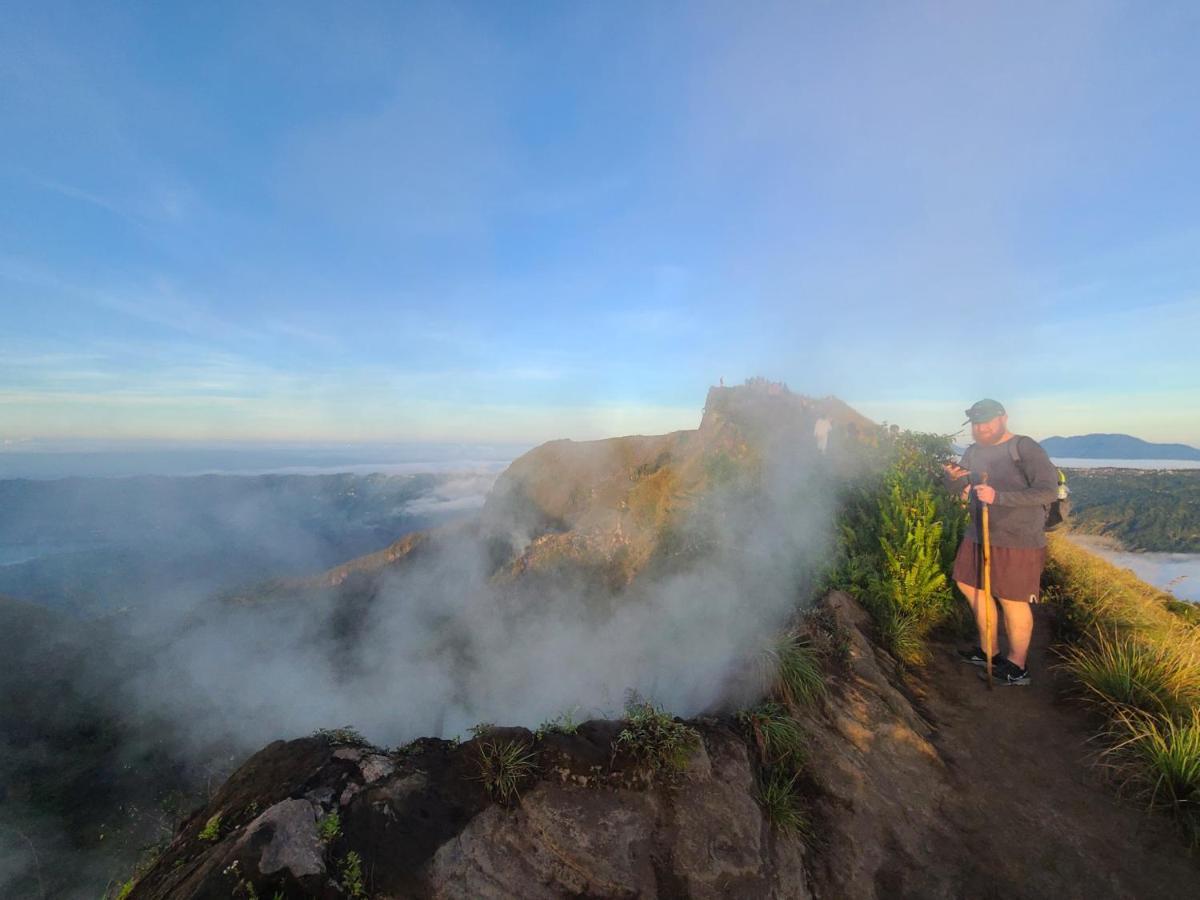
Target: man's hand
[954,470]
[986,493]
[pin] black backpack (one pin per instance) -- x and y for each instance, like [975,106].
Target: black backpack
[1056,512]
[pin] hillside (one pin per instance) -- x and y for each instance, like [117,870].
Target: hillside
[1115,446]
[1153,511]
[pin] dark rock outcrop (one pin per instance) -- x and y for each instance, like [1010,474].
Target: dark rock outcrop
[588,823]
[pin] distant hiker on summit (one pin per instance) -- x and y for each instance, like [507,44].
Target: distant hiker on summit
[1012,475]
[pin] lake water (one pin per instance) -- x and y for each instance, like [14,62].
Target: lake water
[1178,573]
[1157,464]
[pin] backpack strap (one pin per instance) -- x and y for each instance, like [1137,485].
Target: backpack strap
[1014,452]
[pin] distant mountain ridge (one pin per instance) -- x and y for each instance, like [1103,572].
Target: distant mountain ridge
[1115,446]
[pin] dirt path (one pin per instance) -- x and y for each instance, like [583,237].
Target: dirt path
[1029,805]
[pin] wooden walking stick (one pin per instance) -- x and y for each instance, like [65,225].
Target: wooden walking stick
[987,586]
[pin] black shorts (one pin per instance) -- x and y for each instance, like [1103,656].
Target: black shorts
[1016,571]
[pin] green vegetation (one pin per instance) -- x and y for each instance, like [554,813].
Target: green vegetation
[1140,664]
[1124,670]
[778,737]
[351,872]
[346,735]
[900,531]
[782,805]
[330,827]
[1144,510]
[503,765]
[242,887]
[793,671]
[212,829]
[563,723]
[1167,751]
[655,739]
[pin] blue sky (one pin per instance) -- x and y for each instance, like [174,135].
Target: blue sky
[515,222]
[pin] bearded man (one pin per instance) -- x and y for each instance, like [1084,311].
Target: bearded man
[1015,478]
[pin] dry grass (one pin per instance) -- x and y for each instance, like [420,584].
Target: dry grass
[1140,661]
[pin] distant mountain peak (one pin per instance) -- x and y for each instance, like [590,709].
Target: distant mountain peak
[1115,446]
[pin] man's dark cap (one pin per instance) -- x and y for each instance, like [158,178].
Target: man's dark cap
[984,411]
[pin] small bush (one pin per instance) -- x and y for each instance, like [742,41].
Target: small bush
[779,737]
[212,829]
[780,804]
[653,738]
[899,535]
[1124,670]
[503,765]
[344,735]
[563,723]
[352,876]
[330,827]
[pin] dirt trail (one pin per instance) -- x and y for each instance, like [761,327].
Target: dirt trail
[1027,801]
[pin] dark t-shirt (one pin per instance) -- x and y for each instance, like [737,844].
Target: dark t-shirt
[1018,515]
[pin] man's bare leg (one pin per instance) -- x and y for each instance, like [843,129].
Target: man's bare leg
[1018,625]
[970,591]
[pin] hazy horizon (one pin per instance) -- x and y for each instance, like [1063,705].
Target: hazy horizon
[476,223]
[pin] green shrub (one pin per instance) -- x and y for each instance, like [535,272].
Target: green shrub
[330,827]
[352,876]
[345,735]
[655,740]
[563,723]
[503,765]
[899,532]
[212,829]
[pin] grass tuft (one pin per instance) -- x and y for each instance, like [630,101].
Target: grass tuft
[779,737]
[503,765]
[781,805]
[1126,670]
[1162,755]
[655,739]
[904,636]
[563,723]
[793,671]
